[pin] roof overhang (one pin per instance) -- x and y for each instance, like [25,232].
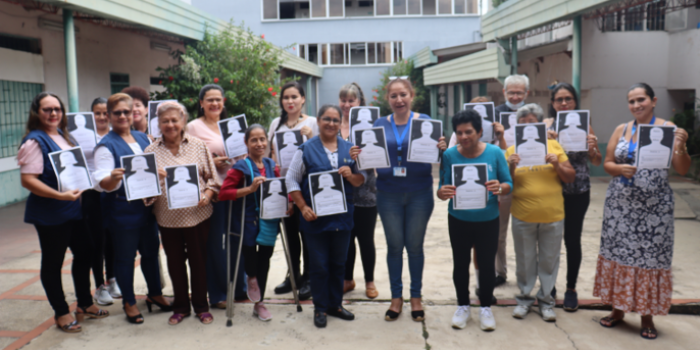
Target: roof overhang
[423,58]
[485,64]
[449,53]
[563,45]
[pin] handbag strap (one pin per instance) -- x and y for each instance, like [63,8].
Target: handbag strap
[252,179]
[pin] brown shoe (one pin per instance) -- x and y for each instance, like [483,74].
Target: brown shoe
[348,286]
[372,293]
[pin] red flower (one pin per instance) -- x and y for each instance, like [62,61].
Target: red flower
[224,99]
[294,48]
[160,82]
[274,93]
[171,78]
[216,80]
[171,95]
[375,97]
[269,89]
[231,81]
[262,36]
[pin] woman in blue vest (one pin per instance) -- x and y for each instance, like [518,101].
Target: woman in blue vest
[56,215]
[257,256]
[328,237]
[132,225]
[404,199]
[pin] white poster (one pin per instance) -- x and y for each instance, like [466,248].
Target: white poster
[82,127]
[182,186]
[362,118]
[655,146]
[531,144]
[572,128]
[327,193]
[141,176]
[423,138]
[71,170]
[508,120]
[374,154]
[233,131]
[274,202]
[488,116]
[153,128]
[286,144]
[470,182]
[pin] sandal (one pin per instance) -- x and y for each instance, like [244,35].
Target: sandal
[177,318]
[205,318]
[220,305]
[612,321]
[81,314]
[649,332]
[73,327]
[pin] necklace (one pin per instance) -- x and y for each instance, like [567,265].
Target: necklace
[295,124]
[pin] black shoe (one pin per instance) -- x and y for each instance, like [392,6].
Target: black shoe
[341,313]
[305,290]
[570,301]
[500,280]
[554,293]
[494,301]
[320,319]
[283,288]
[150,302]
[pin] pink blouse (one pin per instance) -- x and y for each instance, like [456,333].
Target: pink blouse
[213,139]
[31,160]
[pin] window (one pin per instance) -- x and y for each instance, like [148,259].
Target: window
[460,6]
[318,8]
[302,51]
[20,43]
[313,54]
[382,7]
[315,9]
[414,7]
[14,104]
[355,54]
[656,15]
[383,52]
[270,9]
[324,54]
[397,51]
[337,53]
[358,54]
[429,7]
[634,19]
[445,7]
[118,81]
[336,8]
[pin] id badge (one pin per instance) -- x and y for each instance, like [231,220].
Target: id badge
[400,171]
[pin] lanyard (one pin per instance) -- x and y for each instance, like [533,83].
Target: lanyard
[633,145]
[399,138]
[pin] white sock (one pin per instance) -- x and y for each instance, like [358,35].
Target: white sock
[476,275]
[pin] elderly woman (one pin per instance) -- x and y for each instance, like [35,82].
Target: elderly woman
[633,273]
[184,231]
[474,227]
[538,220]
[328,236]
[131,224]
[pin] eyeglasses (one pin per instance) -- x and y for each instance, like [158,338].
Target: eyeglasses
[564,99]
[330,120]
[125,112]
[55,110]
[515,93]
[404,77]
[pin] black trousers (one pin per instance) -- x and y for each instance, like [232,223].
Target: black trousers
[297,244]
[257,264]
[575,208]
[102,249]
[54,240]
[483,236]
[365,220]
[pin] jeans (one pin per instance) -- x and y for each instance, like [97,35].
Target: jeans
[483,236]
[405,218]
[365,220]
[102,250]
[504,204]
[537,251]
[54,240]
[126,243]
[217,283]
[327,254]
[575,207]
[257,264]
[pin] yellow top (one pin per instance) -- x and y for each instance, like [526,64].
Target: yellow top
[537,190]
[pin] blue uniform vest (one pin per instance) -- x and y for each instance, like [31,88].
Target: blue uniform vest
[316,160]
[48,211]
[117,211]
[252,217]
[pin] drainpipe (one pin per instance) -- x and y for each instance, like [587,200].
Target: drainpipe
[514,54]
[576,56]
[434,102]
[71,61]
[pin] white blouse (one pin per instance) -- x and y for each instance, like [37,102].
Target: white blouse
[104,164]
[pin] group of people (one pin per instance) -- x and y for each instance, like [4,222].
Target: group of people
[547,203]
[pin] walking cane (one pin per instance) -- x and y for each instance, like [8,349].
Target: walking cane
[292,278]
[232,284]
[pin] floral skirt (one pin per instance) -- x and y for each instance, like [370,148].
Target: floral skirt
[633,289]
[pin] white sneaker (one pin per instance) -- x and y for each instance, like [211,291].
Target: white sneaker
[113,288]
[488,323]
[102,296]
[548,314]
[461,316]
[520,311]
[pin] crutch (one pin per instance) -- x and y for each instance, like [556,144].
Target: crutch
[292,278]
[232,284]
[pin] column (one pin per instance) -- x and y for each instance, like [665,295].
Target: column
[514,54]
[576,56]
[71,60]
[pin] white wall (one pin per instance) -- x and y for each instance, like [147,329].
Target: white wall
[25,67]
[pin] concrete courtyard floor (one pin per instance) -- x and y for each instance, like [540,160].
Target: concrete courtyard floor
[26,318]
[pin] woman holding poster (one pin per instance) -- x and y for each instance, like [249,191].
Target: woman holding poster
[328,237]
[256,256]
[55,215]
[365,200]
[636,244]
[185,230]
[477,227]
[131,224]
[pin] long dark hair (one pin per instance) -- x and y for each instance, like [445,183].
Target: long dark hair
[203,92]
[284,116]
[34,122]
[566,86]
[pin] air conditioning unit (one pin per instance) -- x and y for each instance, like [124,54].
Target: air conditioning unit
[677,20]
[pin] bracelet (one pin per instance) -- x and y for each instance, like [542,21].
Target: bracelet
[681,152]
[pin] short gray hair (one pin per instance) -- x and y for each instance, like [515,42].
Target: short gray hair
[531,108]
[168,106]
[517,79]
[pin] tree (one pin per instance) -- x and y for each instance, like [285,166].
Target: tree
[246,66]
[421,101]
